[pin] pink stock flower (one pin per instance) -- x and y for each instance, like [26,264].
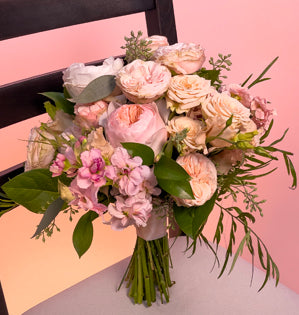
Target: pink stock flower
[58,165]
[132,210]
[136,123]
[93,169]
[130,175]
[87,115]
[86,199]
[261,114]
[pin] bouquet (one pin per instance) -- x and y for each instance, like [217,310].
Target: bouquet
[157,141]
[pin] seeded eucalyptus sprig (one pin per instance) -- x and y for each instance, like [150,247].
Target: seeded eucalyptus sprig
[137,48]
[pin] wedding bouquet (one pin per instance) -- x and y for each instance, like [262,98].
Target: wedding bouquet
[157,141]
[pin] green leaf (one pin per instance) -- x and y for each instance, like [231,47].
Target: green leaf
[49,215]
[51,109]
[97,89]
[212,75]
[260,77]
[177,188]
[167,168]
[266,134]
[142,150]
[190,220]
[35,189]
[248,78]
[60,101]
[83,232]
[239,251]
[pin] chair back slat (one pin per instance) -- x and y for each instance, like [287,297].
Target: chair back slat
[161,21]
[23,17]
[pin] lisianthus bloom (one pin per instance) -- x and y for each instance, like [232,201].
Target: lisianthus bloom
[181,58]
[131,210]
[187,91]
[86,199]
[87,115]
[143,81]
[136,123]
[261,114]
[93,169]
[238,92]
[78,76]
[40,153]
[203,178]
[196,132]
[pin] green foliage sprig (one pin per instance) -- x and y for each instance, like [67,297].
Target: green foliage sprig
[214,75]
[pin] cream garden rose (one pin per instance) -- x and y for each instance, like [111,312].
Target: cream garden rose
[40,152]
[181,58]
[78,76]
[203,178]
[156,42]
[196,132]
[143,81]
[187,91]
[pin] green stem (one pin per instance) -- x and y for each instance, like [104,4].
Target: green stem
[145,274]
[139,273]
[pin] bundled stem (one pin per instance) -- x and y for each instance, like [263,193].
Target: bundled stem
[148,270]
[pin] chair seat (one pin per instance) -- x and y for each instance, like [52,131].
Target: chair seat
[197,291]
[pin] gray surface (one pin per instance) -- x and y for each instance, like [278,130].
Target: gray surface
[197,291]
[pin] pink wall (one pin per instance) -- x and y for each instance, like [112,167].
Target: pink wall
[254,32]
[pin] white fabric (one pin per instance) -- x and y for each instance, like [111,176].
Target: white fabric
[197,291]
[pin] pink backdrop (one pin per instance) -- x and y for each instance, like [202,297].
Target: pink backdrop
[254,32]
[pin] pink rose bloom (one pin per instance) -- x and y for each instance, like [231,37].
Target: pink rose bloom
[156,42]
[93,169]
[181,58]
[261,114]
[87,115]
[240,93]
[203,178]
[86,199]
[136,123]
[132,210]
[143,81]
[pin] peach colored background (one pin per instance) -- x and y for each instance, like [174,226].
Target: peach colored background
[254,32]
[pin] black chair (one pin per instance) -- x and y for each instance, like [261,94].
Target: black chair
[23,17]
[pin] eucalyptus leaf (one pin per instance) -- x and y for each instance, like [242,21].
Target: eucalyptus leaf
[60,101]
[168,169]
[97,89]
[35,189]
[83,232]
[141,150]
[49,215]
